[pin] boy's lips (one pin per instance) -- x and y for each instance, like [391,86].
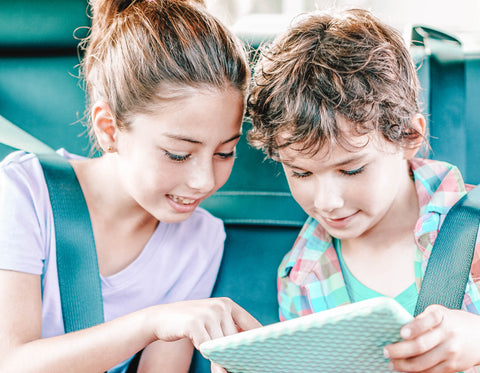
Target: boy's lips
[339,222]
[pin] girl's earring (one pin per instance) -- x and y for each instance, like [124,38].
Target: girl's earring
[109,148]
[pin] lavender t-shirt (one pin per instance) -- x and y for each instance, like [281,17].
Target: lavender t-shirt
[179,262]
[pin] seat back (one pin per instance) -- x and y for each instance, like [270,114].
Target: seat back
[39,88]
[450,85]
[262,221]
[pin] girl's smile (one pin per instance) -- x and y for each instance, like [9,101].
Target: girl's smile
[183,205]
[177,155]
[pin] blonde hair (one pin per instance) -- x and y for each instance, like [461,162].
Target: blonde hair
[138,49]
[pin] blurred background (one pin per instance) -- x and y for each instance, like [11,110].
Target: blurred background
[267,17]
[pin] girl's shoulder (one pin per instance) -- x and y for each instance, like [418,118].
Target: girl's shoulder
[25,167]
[17,158]
[20,167]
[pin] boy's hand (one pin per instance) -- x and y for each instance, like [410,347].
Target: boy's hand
[439,340]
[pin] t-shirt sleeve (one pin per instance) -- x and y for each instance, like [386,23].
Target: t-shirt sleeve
[211,262]
[22,241]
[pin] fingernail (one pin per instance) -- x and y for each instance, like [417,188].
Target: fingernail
[390,365]
[386,353]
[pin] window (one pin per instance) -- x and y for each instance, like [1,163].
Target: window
[265,18]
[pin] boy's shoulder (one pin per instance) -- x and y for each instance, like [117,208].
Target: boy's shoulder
[312,242]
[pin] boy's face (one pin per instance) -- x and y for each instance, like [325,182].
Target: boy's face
[350,192]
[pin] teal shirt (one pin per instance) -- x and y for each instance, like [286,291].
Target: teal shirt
[358,291]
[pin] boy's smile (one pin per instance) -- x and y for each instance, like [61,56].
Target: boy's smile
[350,192]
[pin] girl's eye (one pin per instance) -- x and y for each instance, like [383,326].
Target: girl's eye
[352,172]
[177,157]
[226,155]
[301,175]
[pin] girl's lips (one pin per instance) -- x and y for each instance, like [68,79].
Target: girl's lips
[182,205]
[340,222]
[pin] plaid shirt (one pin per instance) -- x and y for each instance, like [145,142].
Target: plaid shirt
[310,279]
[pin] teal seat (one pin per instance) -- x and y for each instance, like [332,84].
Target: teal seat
[39,88]
[262,222]
[450,81]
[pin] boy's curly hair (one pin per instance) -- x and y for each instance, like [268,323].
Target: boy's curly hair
[325,66]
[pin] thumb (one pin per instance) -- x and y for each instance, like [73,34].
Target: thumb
[217,369]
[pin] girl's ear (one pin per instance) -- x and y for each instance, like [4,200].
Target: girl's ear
[104,126]
[419,124]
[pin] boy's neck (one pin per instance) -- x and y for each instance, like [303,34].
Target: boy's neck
[383,257]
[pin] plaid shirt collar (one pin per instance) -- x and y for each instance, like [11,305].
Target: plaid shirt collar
[313,264]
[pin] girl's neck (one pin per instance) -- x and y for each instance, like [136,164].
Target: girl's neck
[105,197]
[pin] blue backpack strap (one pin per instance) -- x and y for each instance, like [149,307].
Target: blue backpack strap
[77,265]
[449,265]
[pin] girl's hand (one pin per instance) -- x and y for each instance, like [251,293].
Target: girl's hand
[217,369]
[439,340]
[199,320]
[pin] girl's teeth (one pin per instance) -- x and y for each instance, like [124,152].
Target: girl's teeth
[181,200]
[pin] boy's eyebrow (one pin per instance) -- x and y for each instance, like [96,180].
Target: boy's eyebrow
[288,162]
[349,160]
[183,138]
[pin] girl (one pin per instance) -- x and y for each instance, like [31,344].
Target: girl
[167,84]
[336,102]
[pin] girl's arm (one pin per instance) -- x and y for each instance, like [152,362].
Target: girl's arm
[168,356]
[101,347]
[171,356]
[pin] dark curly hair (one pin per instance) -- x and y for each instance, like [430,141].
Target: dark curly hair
[325,66]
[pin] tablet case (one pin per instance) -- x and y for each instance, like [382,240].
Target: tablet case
[349,338]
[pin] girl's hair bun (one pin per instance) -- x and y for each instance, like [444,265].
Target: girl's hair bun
[109,8]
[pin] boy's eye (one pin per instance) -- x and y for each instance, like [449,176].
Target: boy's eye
[352,172]
[177,157]
[226,155]
[301,175]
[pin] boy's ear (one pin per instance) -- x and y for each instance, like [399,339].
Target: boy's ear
[420,125]
[104,125]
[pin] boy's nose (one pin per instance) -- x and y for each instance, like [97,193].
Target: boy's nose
[328,196]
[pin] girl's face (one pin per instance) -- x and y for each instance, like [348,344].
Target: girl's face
[172,160]
[350,192]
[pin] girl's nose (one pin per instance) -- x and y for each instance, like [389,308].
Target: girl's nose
[201,177]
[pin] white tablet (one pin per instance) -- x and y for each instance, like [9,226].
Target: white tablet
[349,338]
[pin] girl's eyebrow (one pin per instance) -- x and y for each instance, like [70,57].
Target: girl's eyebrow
[183,138]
